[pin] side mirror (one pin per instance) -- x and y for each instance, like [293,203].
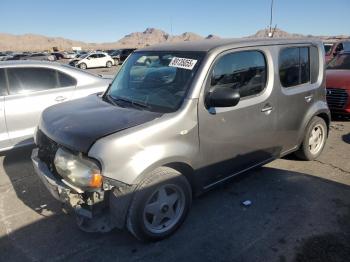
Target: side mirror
[223,97]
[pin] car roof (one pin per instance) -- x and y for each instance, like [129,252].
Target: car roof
[14,63]
[211,44]
[45,64]
[48,64]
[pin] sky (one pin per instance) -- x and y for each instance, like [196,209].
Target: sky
[110,20]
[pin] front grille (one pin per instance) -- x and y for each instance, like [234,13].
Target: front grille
[47,150]
[336,98]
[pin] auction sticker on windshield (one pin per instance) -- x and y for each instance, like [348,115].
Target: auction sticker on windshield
[184,63]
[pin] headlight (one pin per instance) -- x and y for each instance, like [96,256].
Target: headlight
[80,171]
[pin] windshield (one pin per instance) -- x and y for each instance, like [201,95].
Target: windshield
[341,61]
[158,81]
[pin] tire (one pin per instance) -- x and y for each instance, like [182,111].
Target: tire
[310,150]
[148,215]
[109,64]
[82,66]
[116,61]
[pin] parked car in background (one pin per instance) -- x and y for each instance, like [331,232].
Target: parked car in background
[4,56]
[199,114]
[92,60]
[338,84]
[120,55]
[30,87]
[58,55]
[22,56]
[69,55]
[41,57]
[110,51]
[343,45]
[81,53]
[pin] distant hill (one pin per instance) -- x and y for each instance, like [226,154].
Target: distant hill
[151,36]
[31,42]
[278,33]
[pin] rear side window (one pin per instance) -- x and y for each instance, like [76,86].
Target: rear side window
[245,70]
[294,66]
[3,89]
[314,63]
[24,80]
[66,80]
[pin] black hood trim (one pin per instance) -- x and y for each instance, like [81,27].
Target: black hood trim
[78,124]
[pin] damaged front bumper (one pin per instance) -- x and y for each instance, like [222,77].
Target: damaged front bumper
[91,207]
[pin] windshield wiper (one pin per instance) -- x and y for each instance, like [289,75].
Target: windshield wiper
[110,99]
[135,104]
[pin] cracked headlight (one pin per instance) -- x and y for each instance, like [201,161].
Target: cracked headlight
[80,171]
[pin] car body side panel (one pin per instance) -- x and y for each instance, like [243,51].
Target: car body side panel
[23,111]
[4,138]
[294,107]
[318,108]
[235,138]
[127,155]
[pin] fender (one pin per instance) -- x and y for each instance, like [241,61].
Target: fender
[317,109]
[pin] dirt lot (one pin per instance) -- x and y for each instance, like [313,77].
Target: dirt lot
[300,212]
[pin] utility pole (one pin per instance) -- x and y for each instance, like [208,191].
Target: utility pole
[271,16]
[171,28]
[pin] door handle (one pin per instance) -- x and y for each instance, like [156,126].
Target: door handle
[308,98]
[60,98]
[267,109]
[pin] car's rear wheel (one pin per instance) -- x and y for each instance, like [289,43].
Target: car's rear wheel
[116,61]
[160,205]
[82,66]
[314,140]
[109,64]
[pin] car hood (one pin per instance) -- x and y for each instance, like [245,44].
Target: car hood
[78,124]
[338,78]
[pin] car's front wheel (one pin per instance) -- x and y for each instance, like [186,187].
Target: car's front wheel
[109,64]
[82,66]
[314,140]
[160,205]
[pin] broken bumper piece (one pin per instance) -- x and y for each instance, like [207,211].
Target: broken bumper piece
[89,207]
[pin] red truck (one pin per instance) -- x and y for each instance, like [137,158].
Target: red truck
[338,84]
[343,45]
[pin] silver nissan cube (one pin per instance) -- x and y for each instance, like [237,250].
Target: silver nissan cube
[177,120]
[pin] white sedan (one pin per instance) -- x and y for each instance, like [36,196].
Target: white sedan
[92,60]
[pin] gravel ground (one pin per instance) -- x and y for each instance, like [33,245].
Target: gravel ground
[300,212]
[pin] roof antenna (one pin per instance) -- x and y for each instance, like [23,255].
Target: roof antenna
[271,16]
[171,26]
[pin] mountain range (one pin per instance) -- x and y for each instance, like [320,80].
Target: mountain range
[33,42]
